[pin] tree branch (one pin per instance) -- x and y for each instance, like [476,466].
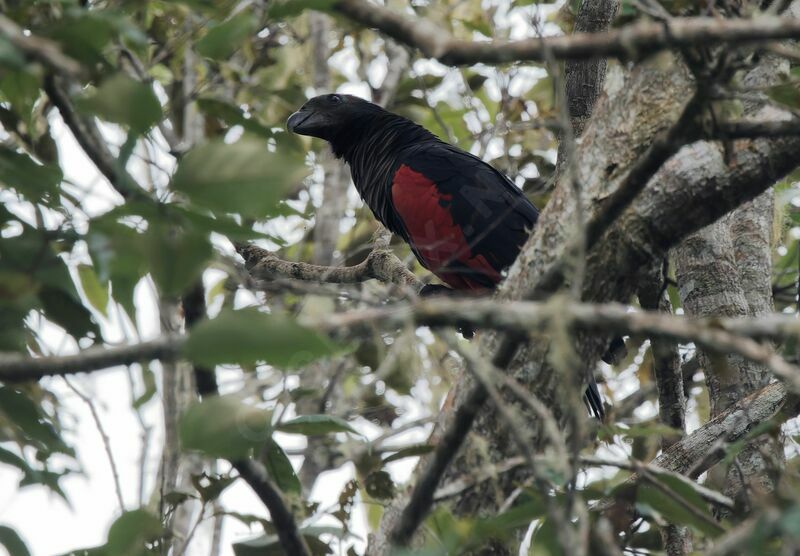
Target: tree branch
[632,42]
[666,360]
[735,335]
[269,493]
[16,367]
[705,447]
[666,367]
[425,489]
[731,335]
[749,129]
[381,264]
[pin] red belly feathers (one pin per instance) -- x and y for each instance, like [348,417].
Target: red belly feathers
[438,240]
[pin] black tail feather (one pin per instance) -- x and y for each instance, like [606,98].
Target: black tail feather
[594,402]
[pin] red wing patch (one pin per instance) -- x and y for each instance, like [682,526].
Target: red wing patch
[437,239]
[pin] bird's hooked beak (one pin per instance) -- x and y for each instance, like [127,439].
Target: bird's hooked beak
[305,122]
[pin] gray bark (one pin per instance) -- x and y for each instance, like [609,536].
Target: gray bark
[583,79]
[726,270]
[708,283]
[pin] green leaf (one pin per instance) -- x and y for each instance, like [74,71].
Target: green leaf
[46,478]
[225,225]
[15,286]
[520,515]
[62,309]
[23,412]
[131,532]
[177,256]
[150,388]
[10,57]
[83,35]
[96,293]
[33,180]
[410,452]
[281,9]
[13,543]
[31,476]
[790,521]
[248,336]
[211,486]
[21,89]
[682,506]
[479,24]
[280,468]
[224,427]
[310,425]
[87,34]
[546,540]
[244,177]
[177,497]
[10,458]
[232,115]
[787,94]
[224,39]
[122,100]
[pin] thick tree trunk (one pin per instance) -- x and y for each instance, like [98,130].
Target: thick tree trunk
[726,270]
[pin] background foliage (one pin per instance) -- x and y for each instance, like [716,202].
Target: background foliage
[190,98]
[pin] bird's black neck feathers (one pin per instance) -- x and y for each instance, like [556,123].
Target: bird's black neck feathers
[370,145]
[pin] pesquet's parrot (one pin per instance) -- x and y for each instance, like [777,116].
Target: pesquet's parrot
[464,220]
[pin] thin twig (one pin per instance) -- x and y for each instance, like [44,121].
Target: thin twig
[104,437]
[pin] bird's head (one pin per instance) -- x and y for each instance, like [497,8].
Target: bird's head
[325,116]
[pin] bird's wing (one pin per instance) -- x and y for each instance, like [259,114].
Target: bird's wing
[465,220]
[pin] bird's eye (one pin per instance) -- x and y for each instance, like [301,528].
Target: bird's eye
[334,99]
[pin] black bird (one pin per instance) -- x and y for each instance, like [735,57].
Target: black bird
[464,220]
